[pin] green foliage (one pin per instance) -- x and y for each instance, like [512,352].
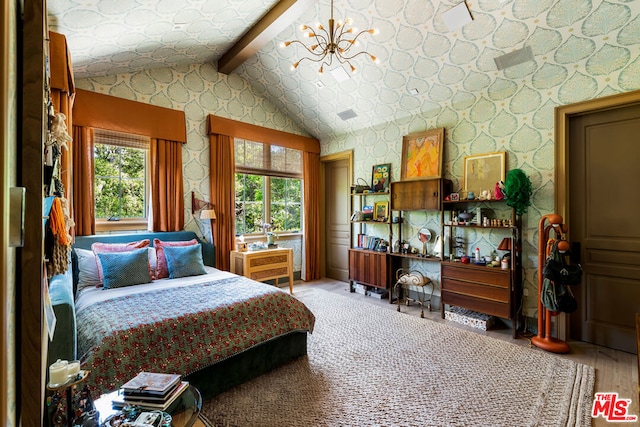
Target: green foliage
[119,182]
[518,190]
[284,211]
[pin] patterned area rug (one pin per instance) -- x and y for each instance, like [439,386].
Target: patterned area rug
[371,366]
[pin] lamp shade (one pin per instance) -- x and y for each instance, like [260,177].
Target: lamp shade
[505,244]
[207,214]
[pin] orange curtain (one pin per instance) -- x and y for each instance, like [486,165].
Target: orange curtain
[83,207]
[222,170]
[223,193]
[62,95]
[311,197]
[167,189]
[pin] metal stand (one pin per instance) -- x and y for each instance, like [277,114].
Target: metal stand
[406,279]
[544,340]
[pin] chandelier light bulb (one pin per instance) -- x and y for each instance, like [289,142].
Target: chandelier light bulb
[353,69]
[303,27]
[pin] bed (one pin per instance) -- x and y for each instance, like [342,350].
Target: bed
[217,329]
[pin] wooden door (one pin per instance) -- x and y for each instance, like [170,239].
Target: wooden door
[337,182]
[604,178]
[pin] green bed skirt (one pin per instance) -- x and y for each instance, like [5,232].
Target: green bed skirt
[249,364]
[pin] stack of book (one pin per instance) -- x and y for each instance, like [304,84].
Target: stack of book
[150,390]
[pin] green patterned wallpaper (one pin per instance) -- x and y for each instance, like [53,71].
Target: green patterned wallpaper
[199,90]
[583,50]
[597,53]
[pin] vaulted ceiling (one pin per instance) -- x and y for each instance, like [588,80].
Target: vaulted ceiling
[423,64]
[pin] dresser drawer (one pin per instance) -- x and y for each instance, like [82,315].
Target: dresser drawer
[477,274]
[477,304]
[476,290]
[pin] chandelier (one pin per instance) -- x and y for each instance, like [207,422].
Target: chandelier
[336,42]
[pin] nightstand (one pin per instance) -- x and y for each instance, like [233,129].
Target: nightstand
[264,265]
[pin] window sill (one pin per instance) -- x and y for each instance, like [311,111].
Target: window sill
[261,237]
[122,225]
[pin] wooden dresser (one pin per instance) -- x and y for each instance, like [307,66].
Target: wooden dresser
[478,288]
[264,265]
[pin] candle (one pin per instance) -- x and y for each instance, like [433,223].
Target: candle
[73,368]
[58,372]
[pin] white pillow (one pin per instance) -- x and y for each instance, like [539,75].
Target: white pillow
[88,275]
[153,260]
[87,269]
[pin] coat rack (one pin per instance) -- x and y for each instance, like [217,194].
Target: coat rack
[544,340]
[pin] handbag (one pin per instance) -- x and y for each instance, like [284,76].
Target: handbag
[556,293]
[557,270]
[557,297]
[360,187]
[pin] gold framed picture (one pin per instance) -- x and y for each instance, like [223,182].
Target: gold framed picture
[422,155]
[381,211]
[482,171]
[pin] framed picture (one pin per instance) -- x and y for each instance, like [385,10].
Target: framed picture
[380,211]
[380,177]
[422,155]
[454,197]
[481,172]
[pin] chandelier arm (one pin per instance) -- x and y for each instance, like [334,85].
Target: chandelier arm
[352,42]
[344,58]
[321,58]
[308,50]
[322,39]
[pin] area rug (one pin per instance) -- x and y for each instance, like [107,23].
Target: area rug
[371,366]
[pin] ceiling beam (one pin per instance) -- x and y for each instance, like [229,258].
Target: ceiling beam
[269,26]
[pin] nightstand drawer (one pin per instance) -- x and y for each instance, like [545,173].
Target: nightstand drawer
[264,265]
[268,260]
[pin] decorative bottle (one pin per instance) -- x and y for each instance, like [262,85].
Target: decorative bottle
[477,259]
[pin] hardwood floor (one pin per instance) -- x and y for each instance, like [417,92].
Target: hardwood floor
[616,371]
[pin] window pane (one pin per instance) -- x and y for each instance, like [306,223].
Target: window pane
[286,204]
[249,203]
[120,182]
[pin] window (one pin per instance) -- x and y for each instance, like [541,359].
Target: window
[268,187]
[121,178]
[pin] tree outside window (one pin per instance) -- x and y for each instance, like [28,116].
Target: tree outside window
[120,175]
[274,200]
[268,186]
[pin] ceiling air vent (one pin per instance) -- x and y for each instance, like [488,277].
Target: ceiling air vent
[347,114]
[514,58]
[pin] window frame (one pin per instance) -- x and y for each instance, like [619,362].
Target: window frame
[267,173]
[266,203]
[128,224]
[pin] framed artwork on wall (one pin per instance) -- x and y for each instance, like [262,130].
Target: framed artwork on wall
[380,177]
[481,172]
[380,211]
[422,155]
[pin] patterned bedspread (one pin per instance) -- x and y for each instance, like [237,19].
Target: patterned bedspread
[180,328]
